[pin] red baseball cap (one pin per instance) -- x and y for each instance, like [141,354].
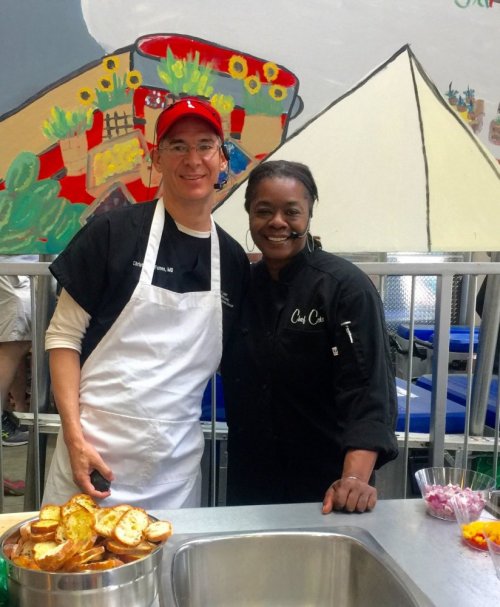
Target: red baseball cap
[188,106]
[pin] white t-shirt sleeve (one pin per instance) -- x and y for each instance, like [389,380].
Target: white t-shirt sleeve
[68,324]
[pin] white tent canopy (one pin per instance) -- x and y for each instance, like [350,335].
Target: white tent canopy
[397,170]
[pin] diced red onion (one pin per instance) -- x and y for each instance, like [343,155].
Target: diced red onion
[437,498]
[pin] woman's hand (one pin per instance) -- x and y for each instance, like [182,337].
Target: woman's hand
[350,494]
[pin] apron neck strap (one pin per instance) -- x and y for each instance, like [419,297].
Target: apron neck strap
[154,239]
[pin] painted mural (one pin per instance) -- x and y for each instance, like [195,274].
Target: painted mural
[77,132]
[97,149]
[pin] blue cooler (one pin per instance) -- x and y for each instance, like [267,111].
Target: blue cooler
[458,348]
[420,410]
[206,403]
[460,339]
[457,392]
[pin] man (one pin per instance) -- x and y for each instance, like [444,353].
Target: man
[149,291]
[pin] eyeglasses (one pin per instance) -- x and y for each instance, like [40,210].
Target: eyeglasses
[204,149]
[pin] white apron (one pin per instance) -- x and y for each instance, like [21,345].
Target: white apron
[141,391]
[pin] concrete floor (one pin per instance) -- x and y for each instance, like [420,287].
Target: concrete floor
[14,468]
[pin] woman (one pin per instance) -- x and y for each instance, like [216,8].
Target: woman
[309,388]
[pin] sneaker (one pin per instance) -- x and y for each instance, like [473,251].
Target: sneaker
[13,487]
[12,434]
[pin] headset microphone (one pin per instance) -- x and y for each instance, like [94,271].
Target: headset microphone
[220,184]
[295,235]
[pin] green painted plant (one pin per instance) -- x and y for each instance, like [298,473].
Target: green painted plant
[112,91]
[63,124]
[262,98]
[33,218]
[187,75]
[260,92]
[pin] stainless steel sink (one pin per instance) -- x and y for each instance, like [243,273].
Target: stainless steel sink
[341,567]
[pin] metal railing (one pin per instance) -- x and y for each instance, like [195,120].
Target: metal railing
[476,391]
[41,305]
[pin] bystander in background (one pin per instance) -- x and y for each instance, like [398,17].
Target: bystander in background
[15,345]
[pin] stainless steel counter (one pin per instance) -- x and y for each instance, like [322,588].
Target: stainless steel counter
[427,549]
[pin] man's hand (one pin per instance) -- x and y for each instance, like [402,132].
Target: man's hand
[350,494]
[84,459]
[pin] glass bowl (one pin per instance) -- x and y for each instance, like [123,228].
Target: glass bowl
[439,485]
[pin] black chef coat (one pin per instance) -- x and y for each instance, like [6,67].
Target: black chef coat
[101,266]
[298,392]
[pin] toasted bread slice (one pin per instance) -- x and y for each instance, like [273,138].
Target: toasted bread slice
[50,556]
[86,501]
[61,533]
[9,547]
[70,507]
[47,536]
[43,526]
[79,526]
[158,531]
[117,547]
[87,556]
[50,511]
[106,520]
[25,561]
[25,548]
[25,531]
[130,528]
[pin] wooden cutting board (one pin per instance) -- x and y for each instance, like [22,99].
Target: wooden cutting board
[11,519]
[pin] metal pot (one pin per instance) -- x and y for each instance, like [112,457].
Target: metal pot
[135,584]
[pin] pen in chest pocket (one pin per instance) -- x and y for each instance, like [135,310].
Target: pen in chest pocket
[347,328]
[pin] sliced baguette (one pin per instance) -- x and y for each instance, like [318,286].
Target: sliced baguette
[50,556]
[43,526]
[106,520]
[25,561]
[25,531]
[130,528]
[86,501]
[50,511]
[117,547]
[70,507]
[87,556]
[158,531]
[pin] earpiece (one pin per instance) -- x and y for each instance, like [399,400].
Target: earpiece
[225,151]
